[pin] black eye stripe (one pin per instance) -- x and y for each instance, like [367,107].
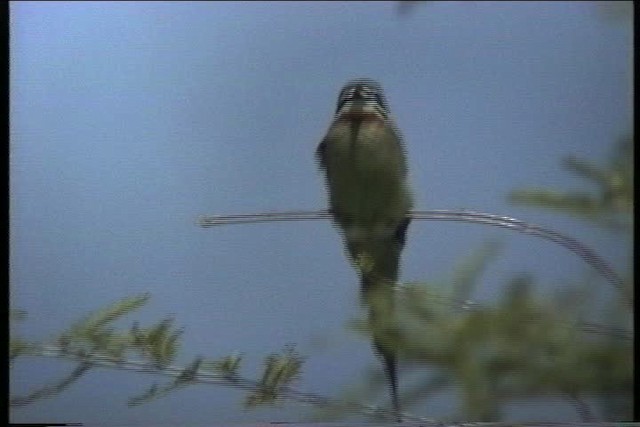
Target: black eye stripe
[368,92]
[341,104]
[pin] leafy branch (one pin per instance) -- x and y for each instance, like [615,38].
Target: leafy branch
[523,346]
[93,342]
[612,203]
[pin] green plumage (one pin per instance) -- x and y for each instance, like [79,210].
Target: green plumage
[366,175]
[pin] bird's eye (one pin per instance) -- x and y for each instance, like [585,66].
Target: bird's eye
[349,93]
[366,90]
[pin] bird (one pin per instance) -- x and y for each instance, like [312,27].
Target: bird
[365,166]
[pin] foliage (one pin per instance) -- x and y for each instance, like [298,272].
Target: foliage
[524,346]
[94,342]
[279,370]
[611,206]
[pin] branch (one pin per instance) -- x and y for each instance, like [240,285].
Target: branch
[573,245]
[52,390]
[177,372]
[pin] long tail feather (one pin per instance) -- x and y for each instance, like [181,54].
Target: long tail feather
[377,287]
[378,297]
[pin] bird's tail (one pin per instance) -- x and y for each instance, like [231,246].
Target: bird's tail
[378,296]
[378,261]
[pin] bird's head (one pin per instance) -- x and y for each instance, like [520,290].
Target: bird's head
[361,98]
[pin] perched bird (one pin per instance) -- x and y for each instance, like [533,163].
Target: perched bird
[369,198]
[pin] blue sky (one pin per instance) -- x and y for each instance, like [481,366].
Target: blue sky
[131,119]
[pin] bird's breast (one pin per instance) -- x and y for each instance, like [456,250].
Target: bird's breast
[366,174]
[363,146]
